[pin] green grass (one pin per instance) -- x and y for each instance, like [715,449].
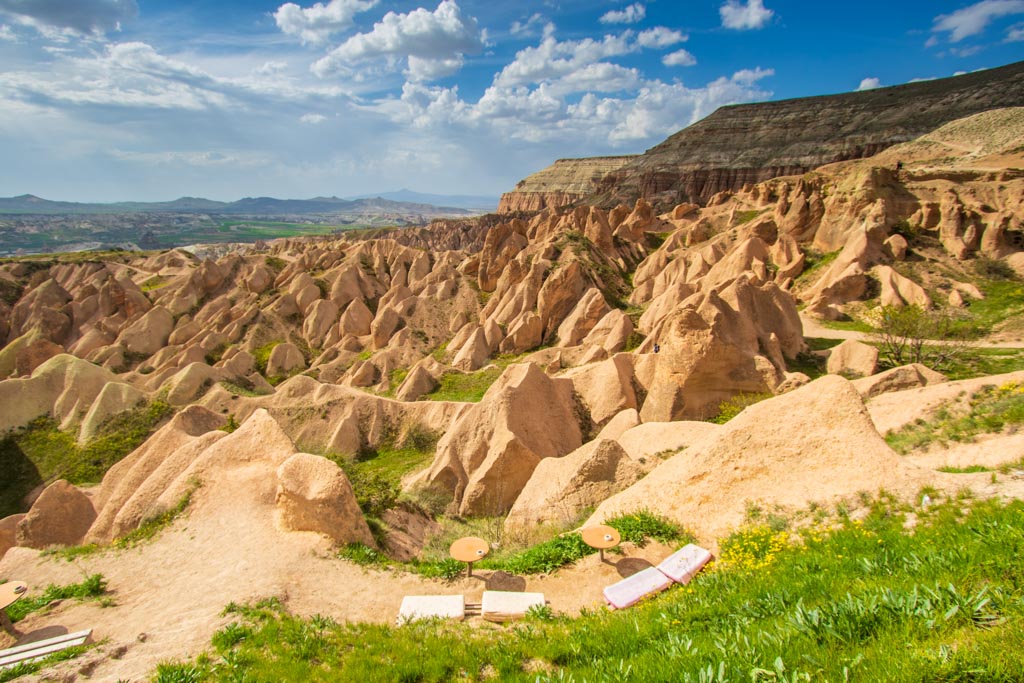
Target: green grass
[1004,299]
[981,362]
[154,283]
[729,409]
[851,325]
[970,469]
[92,587]
[990,410]
[41,453]
[376,473]
[815,263]
[863,602]
[262,355]
[743,217]
[467,387]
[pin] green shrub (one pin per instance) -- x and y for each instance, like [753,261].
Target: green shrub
[638,527]
[729,409]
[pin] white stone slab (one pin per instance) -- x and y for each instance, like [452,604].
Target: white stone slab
[431,606]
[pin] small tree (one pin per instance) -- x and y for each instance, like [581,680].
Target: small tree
[911,334]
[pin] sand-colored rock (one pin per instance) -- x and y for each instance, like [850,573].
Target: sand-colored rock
[612,332]
[606,387]
[526,334]
[8,532]
[898,379]
[61,515]
[622,422]
[561,488]
[284,359]
[113,399]
[490,452]
[853,358]
[148,334]
[813,444]
[473,353]
[63,386]
[583,318]
[898,290]
[313,494]
[719,345]
[134,488]
[417,383]
[896,247]
[356,319]
[650,439]
[34,354]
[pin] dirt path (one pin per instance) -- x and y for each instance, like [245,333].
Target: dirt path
[813,328]
[169,594]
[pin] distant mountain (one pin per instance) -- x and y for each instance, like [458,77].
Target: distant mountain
[461,201]
[31,204]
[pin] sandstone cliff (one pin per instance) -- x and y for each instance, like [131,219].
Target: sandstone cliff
[746,144]
[562,183]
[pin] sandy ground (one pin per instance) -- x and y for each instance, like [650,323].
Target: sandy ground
[170,592]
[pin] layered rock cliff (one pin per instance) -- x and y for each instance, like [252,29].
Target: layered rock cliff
[746,144]
[562,183]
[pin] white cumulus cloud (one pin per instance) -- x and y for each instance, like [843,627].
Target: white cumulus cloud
[433,43]
[6,33]
[629,15]
[316,24]
[659,37]
[313,118]
[1015,33]
[739,16]
[973,19]
[869,84]
[679,58]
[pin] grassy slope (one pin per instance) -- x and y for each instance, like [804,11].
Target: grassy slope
[41,452]
[862,602]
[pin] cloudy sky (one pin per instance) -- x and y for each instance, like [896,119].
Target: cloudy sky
[110,100]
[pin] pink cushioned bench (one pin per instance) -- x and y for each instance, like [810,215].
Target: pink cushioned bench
[679,567]
[683,565]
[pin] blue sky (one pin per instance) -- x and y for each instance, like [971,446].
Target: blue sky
[110,100]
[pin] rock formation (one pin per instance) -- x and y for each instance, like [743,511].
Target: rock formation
[563,183]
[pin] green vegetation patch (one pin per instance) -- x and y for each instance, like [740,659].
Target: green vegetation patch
[92,587]
[467,387]
[732,407]
[861,602]
[814,264]
[990,411]
[262,355]
[155,282]
[982,362]
[41,453]
[743,217]
[1004,299]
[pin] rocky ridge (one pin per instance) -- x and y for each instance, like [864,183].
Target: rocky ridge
[746,144]
[563,183]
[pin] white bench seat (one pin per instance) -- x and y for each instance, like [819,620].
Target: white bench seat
[31,652]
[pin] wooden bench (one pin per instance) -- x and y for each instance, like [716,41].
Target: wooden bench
[40,649]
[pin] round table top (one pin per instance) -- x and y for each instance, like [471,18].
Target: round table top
[11,592]
[469,549]
[601,537]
